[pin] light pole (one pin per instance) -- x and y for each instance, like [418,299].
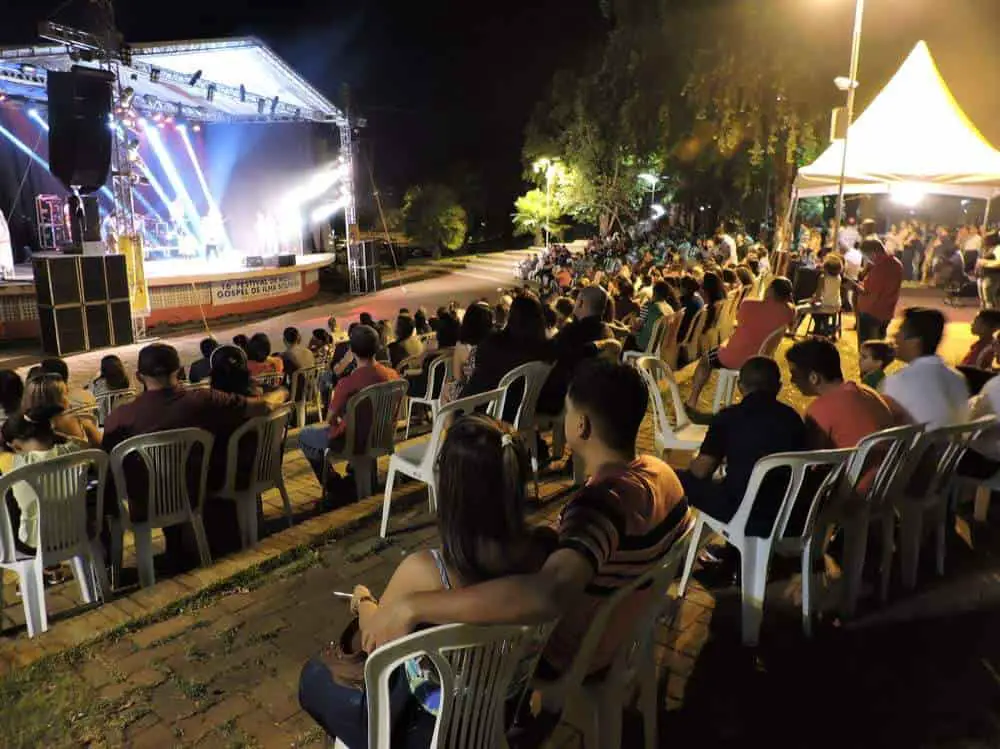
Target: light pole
[652,180]
[852,87]
[548,167]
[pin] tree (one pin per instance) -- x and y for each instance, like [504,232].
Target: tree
[433,218]
[534,211]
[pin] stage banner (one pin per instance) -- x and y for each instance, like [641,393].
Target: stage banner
[242,290]
[131,247]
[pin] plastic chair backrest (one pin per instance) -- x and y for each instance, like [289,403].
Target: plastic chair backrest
[165,456]
[771,343]
[305,385]
[799,465]
[655,372]
[270,379]
[671,344]
[109,400]
[477,668]
[941,448]
[491,400]
[61,487]
[268,452]
[656,336]
[610,349]
[438,373]
[695,328]
[534,375]
[658,579]
[889,447]
[383,401]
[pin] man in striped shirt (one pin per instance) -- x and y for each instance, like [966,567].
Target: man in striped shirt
[619,525]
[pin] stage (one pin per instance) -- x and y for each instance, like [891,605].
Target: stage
[184,291]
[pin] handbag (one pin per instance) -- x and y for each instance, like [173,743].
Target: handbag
[345,658]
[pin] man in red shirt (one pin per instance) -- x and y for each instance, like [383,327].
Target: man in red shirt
[878,294]
[315,440]
[756,322]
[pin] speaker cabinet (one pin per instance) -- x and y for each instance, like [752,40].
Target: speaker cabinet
[286,261]
[121,322]
[80,145]
[63,330]
[93,281]
[98,318]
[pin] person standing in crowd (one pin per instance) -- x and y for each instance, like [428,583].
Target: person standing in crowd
[756,322]
[878,293]
[201,369]
[78,397]
[925,391]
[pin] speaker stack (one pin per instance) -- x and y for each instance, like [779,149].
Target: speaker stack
[83,303]
[363,266]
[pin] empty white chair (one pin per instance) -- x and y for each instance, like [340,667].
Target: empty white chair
[438,374]
[533,376]
[380,404]
[419,461]
[479,670]
[61,487]
[109,400]
[594,703]
[164,499]
[725,388]
[306,394]
[933,461]
[245,490]
[681,434]
[755,551]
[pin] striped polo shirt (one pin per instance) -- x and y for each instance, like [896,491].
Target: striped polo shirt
[623,521]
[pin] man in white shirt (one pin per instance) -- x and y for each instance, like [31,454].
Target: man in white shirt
[926,391]
[729,245]
[849,236]
[983,460]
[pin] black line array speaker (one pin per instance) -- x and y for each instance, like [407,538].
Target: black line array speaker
[80,145]
[363,266]
[83,303]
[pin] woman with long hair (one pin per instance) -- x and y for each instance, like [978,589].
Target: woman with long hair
[230,373]
[483,471]
[712,291]
[476,326]
[112,376]
[49,395]
[259,358]
[11,392]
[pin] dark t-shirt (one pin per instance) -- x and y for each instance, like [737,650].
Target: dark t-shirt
[573,345]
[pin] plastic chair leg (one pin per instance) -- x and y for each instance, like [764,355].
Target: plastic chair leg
[432,495]
[99,569]
[609,720]
[363,476]
[246,513]
[888,539]
[910,529]
[300,413]
[579,472]
[390,479]
[754,584]
[83,572]
[117,533]
[144,554]
[941,536]
[409,416]
[201,540]
[855,550]
[33,598]
[982,506]
[648,701]
[286,501]
[692,555]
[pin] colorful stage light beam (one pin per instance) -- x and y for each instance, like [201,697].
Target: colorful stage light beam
[323,212]
[37,117]
[23,148]
[213,206]
[175,180]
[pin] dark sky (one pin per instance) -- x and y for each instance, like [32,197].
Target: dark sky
[446,82]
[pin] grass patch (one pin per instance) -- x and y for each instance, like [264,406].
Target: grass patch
[193,690]
[194,654]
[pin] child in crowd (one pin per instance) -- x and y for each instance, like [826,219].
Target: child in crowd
[984,328]
[826,302]
[876,356]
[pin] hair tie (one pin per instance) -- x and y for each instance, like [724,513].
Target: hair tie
[27,418]
[506,441]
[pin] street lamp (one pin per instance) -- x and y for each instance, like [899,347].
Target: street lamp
[852,87]
[548,168]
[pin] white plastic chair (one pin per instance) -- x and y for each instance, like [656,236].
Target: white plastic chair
[533,375]
[419,461]
[168,501]
[265,473]
[61,487]
[670,348]
[270,379]
[383,402]
[438,373]
[594,703]
[655,343]
[306,394]
[889,447]
[725,388]
[681,434]
[478,668]
[712,336]
[109,400]
[755,552]
[690,345]
[941,448]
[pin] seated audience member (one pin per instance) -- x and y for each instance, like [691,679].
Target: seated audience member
[756,321]
[407,344]
[447,339]
[652,312]
[626,310]
[481,508]
[691,302]
[564,310]
[713,291]
[33,439]
[620,524]
[296,355]
[336,332]
[365,318]
[551,320]
[844,412]
[315,440]
[11,393]
[200,369]
[876,356]
[112,376]
[982,462]
[49,394]
[574,344]
[925,391]
[230,374]
[78,397]
[420,323]
[477,324]
[739,436]
[984,327]
[321,346]
[259,358]
[164,405]
[242,342]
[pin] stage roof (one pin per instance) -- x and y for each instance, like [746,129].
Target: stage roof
[913,134]
[163,77]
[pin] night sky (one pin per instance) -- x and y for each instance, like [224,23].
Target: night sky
[449,85]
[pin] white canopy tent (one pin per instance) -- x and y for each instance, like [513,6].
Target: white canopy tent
[913,138]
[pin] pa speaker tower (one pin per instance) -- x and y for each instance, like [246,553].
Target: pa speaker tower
[80,144]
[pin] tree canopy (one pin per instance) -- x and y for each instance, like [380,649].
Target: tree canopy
[432,217]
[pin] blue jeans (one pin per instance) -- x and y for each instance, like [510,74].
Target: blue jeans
[313,441]
[343,712]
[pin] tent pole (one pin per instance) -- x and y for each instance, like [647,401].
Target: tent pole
[986,216]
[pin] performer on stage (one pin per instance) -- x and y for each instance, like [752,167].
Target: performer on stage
[109,232]
[214,233]
[6,250]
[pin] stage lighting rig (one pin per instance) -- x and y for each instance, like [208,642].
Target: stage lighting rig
[261,103]
[210,92]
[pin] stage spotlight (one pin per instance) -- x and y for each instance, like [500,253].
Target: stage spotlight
[323,212]
[169,120]
[154,75]
[196,127]
[33,112]
[261,103]
[158,117]
[3,97]
[175,180]
[28,68]
[128,95]
[210,92]
[243,93]
[274,105]
[195,78]
[37,117]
